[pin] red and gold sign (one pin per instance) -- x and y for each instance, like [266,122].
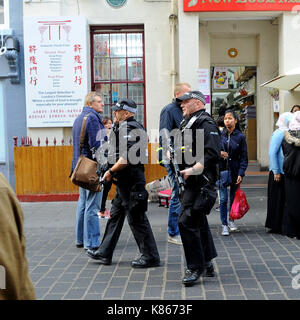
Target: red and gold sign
[240,5]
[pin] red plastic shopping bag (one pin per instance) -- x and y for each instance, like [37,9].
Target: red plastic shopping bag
[240,205]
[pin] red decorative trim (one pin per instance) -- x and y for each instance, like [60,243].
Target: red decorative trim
[48,197]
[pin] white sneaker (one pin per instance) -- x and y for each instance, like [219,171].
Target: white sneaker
[175,239]
[232,225]
[225,231]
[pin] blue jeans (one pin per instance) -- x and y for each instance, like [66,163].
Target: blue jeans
[224,202]
[175,205]
[87,222]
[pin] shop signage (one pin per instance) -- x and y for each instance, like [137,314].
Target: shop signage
[116,3]
[55,69]
[204,85]
[241,5]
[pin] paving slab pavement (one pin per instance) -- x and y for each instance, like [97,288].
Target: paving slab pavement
[251,264]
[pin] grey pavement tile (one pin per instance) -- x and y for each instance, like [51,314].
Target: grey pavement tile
[264,276]
[254,295]
[279,272]
[288,260]
[173,267]
[45,282]
[87,273]
[173,295]
[153,292]
[103,277]
[75,294]
[113,293]
[41,269]
[82,283]
[174,275]
[97,288]
[152,281]
[276,296]
[240,265]
[173,285]
[138,277]
[54,296]
[118,281]
[293,294]
[273,264]
[249,284]
[285,281]
[36,276]
[232,290]
[67,277]
[122,272]
[135,286]
[225,270]
[41,292]
[228,279]
[61,287]
[270,287]
[214,295]
[259,268]
[93,296]
[244,273]
[132,296]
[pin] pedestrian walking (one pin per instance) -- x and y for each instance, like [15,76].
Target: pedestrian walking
[87,223]
[291,168]
[170,118]
[131,199]
[234,157]
[199,195]
[276,182]
[104,212]
[15,281]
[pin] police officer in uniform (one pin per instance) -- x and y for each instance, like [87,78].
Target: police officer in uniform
[199,195]
[131,197]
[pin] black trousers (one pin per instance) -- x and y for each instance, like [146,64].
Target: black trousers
[275,204]
[195,233]
[139,225]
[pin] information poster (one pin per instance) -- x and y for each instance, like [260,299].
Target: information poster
[204,86]
[220,78]
[55,69]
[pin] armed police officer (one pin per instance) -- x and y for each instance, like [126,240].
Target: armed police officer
[200,173]
[127,151]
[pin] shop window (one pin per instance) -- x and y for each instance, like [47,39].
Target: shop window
[118,67]
[235,88]
[4,14]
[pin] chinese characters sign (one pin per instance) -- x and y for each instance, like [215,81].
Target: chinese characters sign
[240,5]
[55,69]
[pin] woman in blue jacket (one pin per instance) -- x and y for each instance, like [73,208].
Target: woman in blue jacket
[276,189]
[234,156]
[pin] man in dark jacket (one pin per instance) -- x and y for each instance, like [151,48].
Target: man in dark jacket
[200,174]
[127,153]
[170,118]
[87,223]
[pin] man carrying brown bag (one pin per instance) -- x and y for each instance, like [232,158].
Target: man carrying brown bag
[87,223]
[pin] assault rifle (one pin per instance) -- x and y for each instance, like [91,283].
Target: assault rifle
[178,176]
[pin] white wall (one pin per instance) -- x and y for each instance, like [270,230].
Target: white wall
[155,18]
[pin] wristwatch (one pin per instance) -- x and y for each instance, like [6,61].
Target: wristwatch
[111,172]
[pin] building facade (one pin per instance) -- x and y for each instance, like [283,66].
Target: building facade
[141,48]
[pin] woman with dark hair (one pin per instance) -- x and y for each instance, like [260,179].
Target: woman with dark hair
[234,157]
[295,108]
